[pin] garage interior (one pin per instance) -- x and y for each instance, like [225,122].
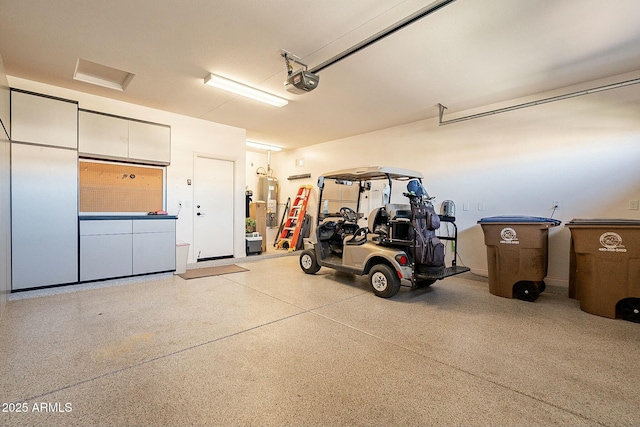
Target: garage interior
[506,107]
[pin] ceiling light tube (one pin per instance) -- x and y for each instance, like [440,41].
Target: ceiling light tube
[244,90]
[263,146]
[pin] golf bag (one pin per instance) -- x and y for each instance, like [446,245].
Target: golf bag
[429,250]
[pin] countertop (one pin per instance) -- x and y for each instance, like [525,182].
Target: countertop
[116,217]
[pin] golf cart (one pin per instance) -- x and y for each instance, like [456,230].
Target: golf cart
[398,242]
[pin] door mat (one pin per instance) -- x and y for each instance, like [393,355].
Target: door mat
[211,271]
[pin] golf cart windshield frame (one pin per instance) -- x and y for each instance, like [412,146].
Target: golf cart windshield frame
[362,175]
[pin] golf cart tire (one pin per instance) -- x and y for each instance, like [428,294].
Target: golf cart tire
[384,281]
[308,262]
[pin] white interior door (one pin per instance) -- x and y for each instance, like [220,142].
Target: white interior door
[213,208]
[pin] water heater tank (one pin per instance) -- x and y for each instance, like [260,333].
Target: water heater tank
[268,192]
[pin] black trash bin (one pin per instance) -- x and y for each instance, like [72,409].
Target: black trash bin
[517,254]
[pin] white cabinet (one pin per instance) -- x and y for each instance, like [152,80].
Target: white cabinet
[114,138]
[106,249]
[44,216]
[154,245]
[124,246]
[44,120]
[149,142]
[105,136]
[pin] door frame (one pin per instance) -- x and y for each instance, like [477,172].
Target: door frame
[234,162]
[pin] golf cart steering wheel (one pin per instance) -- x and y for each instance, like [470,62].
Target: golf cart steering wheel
[348,214]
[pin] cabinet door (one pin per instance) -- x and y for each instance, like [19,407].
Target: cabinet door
[154,252]
[149,142]
[43,120]
[103,136]
[105,256]
[154,245]
[44,216]
[106,249]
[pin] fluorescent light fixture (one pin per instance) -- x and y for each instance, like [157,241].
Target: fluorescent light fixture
[244,90]
[263,146]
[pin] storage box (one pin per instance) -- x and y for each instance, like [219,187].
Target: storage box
[254,245]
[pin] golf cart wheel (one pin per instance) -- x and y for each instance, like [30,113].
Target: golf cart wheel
[384,281]
[629,309]
[526,291]
[308,262]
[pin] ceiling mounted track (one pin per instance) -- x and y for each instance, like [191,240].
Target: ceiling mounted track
[384,33]
[441,107]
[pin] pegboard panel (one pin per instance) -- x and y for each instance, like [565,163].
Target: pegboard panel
[112,187]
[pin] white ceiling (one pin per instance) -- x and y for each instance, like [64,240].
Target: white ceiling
[469,54]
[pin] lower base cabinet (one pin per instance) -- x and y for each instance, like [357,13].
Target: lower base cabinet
[154,246]
[124,247]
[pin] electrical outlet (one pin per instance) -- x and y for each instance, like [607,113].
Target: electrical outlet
[556,204]
[634,205]
[480,206]
[179,203]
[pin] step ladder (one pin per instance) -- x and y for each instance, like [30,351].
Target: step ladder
[291,230]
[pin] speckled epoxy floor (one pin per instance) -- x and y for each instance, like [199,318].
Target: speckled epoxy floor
[273,346]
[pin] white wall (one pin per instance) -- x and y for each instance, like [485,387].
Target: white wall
[257,163]
[188,137]
[583,152]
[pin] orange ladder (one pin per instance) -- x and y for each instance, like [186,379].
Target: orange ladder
[292,227]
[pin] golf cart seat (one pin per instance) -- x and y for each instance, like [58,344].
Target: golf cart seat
[398,211]
[390,224]
[378,220]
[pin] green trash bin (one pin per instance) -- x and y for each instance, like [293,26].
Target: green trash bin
[517,254]
[604,267]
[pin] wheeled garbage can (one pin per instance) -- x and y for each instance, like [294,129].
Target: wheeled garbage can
[517,254]
[604,267]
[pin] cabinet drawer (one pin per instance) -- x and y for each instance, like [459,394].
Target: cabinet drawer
[98,227]
[154,226]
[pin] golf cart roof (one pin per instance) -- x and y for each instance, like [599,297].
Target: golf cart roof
[368,173]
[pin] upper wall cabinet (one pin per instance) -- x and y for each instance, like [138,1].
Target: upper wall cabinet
[44,120]
[149,142]
[116,138]
[102,135]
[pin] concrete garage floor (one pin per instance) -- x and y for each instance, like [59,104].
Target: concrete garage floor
[273,346]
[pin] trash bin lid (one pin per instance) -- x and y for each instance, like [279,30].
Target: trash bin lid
[607,222]
[520,219]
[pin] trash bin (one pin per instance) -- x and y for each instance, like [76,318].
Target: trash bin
[182,254]
[254,244]
[604,267]
[517,254]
